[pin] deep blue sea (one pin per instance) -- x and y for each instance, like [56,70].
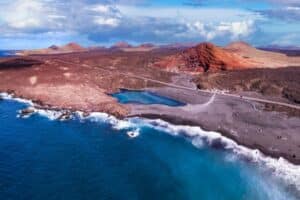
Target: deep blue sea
[7,53]
[94,158]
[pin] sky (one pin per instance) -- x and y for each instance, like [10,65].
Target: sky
[29,24]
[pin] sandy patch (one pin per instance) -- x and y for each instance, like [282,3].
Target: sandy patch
[33,80]
[64,68]
[67,75]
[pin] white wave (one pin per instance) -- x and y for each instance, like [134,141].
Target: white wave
[134,133]
[4,95]
[50,114]
[7,96]
[96,117]
[283,169]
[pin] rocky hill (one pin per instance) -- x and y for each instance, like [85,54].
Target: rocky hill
[121,45]
[204,57]
[54,49]
[207,57]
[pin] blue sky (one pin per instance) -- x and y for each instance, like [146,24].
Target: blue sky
[26,24]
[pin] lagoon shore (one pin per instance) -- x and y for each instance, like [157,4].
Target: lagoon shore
[274,133]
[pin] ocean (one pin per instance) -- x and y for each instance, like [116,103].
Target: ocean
[95,158]
[7,53]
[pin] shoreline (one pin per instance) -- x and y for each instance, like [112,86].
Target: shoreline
[247,123]
[226,134]
[167,119]
[285,169]
[66,114]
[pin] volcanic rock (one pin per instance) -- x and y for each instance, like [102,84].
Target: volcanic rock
[66,115]
[27,112]
[202,58]
[121,45]
[74,47]
[147,45]
[16,63]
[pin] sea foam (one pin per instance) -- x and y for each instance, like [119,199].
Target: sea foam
[7,96]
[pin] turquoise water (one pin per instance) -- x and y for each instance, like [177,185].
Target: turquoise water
[144,97]
[95,159]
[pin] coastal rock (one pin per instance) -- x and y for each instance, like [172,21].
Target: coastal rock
[147,45]
[85,114]
[27,112]
[18,63]
[66,115]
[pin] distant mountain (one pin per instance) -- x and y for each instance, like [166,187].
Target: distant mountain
[287,50]
[146,45]
[179,45]
[94,48]
[239,46]
[124,46]
[54,49]
[279,47]
[121,45]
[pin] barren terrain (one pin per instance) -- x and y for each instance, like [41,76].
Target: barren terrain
[261,110]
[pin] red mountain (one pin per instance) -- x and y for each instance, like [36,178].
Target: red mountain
[68,48]
[121,45]
[202,58]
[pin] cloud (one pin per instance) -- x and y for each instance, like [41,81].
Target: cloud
[285,2]
[106,22]
[289,13]
[110,21]
[232,30]
[288,10]
[291,39]
[24,16]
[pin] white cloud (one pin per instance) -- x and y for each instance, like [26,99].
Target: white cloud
[113,22]
[101,8]
[105,15]
[234,30]
[24,14]
[293,8]
[100,22]
[237,29]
